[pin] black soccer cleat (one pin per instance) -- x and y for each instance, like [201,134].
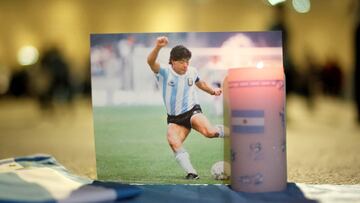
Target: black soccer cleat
[192,176]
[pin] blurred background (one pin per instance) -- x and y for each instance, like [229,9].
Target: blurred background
[45,102]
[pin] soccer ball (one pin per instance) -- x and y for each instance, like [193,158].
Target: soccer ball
[220,170]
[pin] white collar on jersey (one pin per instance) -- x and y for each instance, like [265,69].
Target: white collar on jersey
[177,74]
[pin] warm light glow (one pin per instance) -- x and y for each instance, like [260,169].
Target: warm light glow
[301,6]
[260,65]
[274,2]
[27,55]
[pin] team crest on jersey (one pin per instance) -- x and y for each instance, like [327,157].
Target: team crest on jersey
[171,83]
[190,81]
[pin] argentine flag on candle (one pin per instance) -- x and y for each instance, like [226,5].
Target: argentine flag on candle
[247,121]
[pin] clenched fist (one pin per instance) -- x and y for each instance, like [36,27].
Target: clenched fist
[162,41]
[217,92]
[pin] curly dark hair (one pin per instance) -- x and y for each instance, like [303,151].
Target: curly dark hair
[179,52]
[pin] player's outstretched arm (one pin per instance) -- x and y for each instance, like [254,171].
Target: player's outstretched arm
[206,88]
[151,59]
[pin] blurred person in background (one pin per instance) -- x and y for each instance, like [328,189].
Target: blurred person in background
[19,83]
[289,69]
[125,50]
[357,59]
[86,85]
[332,78]
[215,74]
[59,87]
[310,80]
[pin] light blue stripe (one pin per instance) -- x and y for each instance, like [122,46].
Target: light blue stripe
[162,71]
[248,129]
[165,76]
[13,187]
[247,113]
[173,96]
[185,98]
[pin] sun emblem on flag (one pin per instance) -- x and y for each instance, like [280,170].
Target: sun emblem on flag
[244,121]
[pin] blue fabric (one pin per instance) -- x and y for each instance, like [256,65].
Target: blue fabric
[41,179]
[36,158]
[214,194]
[123,191]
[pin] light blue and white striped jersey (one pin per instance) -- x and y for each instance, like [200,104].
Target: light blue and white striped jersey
[178,91]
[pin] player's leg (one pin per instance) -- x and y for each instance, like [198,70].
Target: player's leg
[201,124]
[176,135]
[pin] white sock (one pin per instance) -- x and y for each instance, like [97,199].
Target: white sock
[183,158]
[221,133]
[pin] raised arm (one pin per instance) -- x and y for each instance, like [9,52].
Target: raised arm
[151,59]
[206,88]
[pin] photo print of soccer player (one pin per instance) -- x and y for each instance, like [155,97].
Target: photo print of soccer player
[183,109]
[147,89]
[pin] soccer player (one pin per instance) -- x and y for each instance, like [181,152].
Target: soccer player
[178,83]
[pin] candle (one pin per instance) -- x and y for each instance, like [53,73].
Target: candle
[256,99]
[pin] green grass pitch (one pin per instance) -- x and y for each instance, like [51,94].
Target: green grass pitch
[131,146]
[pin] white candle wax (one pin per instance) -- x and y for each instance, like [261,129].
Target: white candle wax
[256,99]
